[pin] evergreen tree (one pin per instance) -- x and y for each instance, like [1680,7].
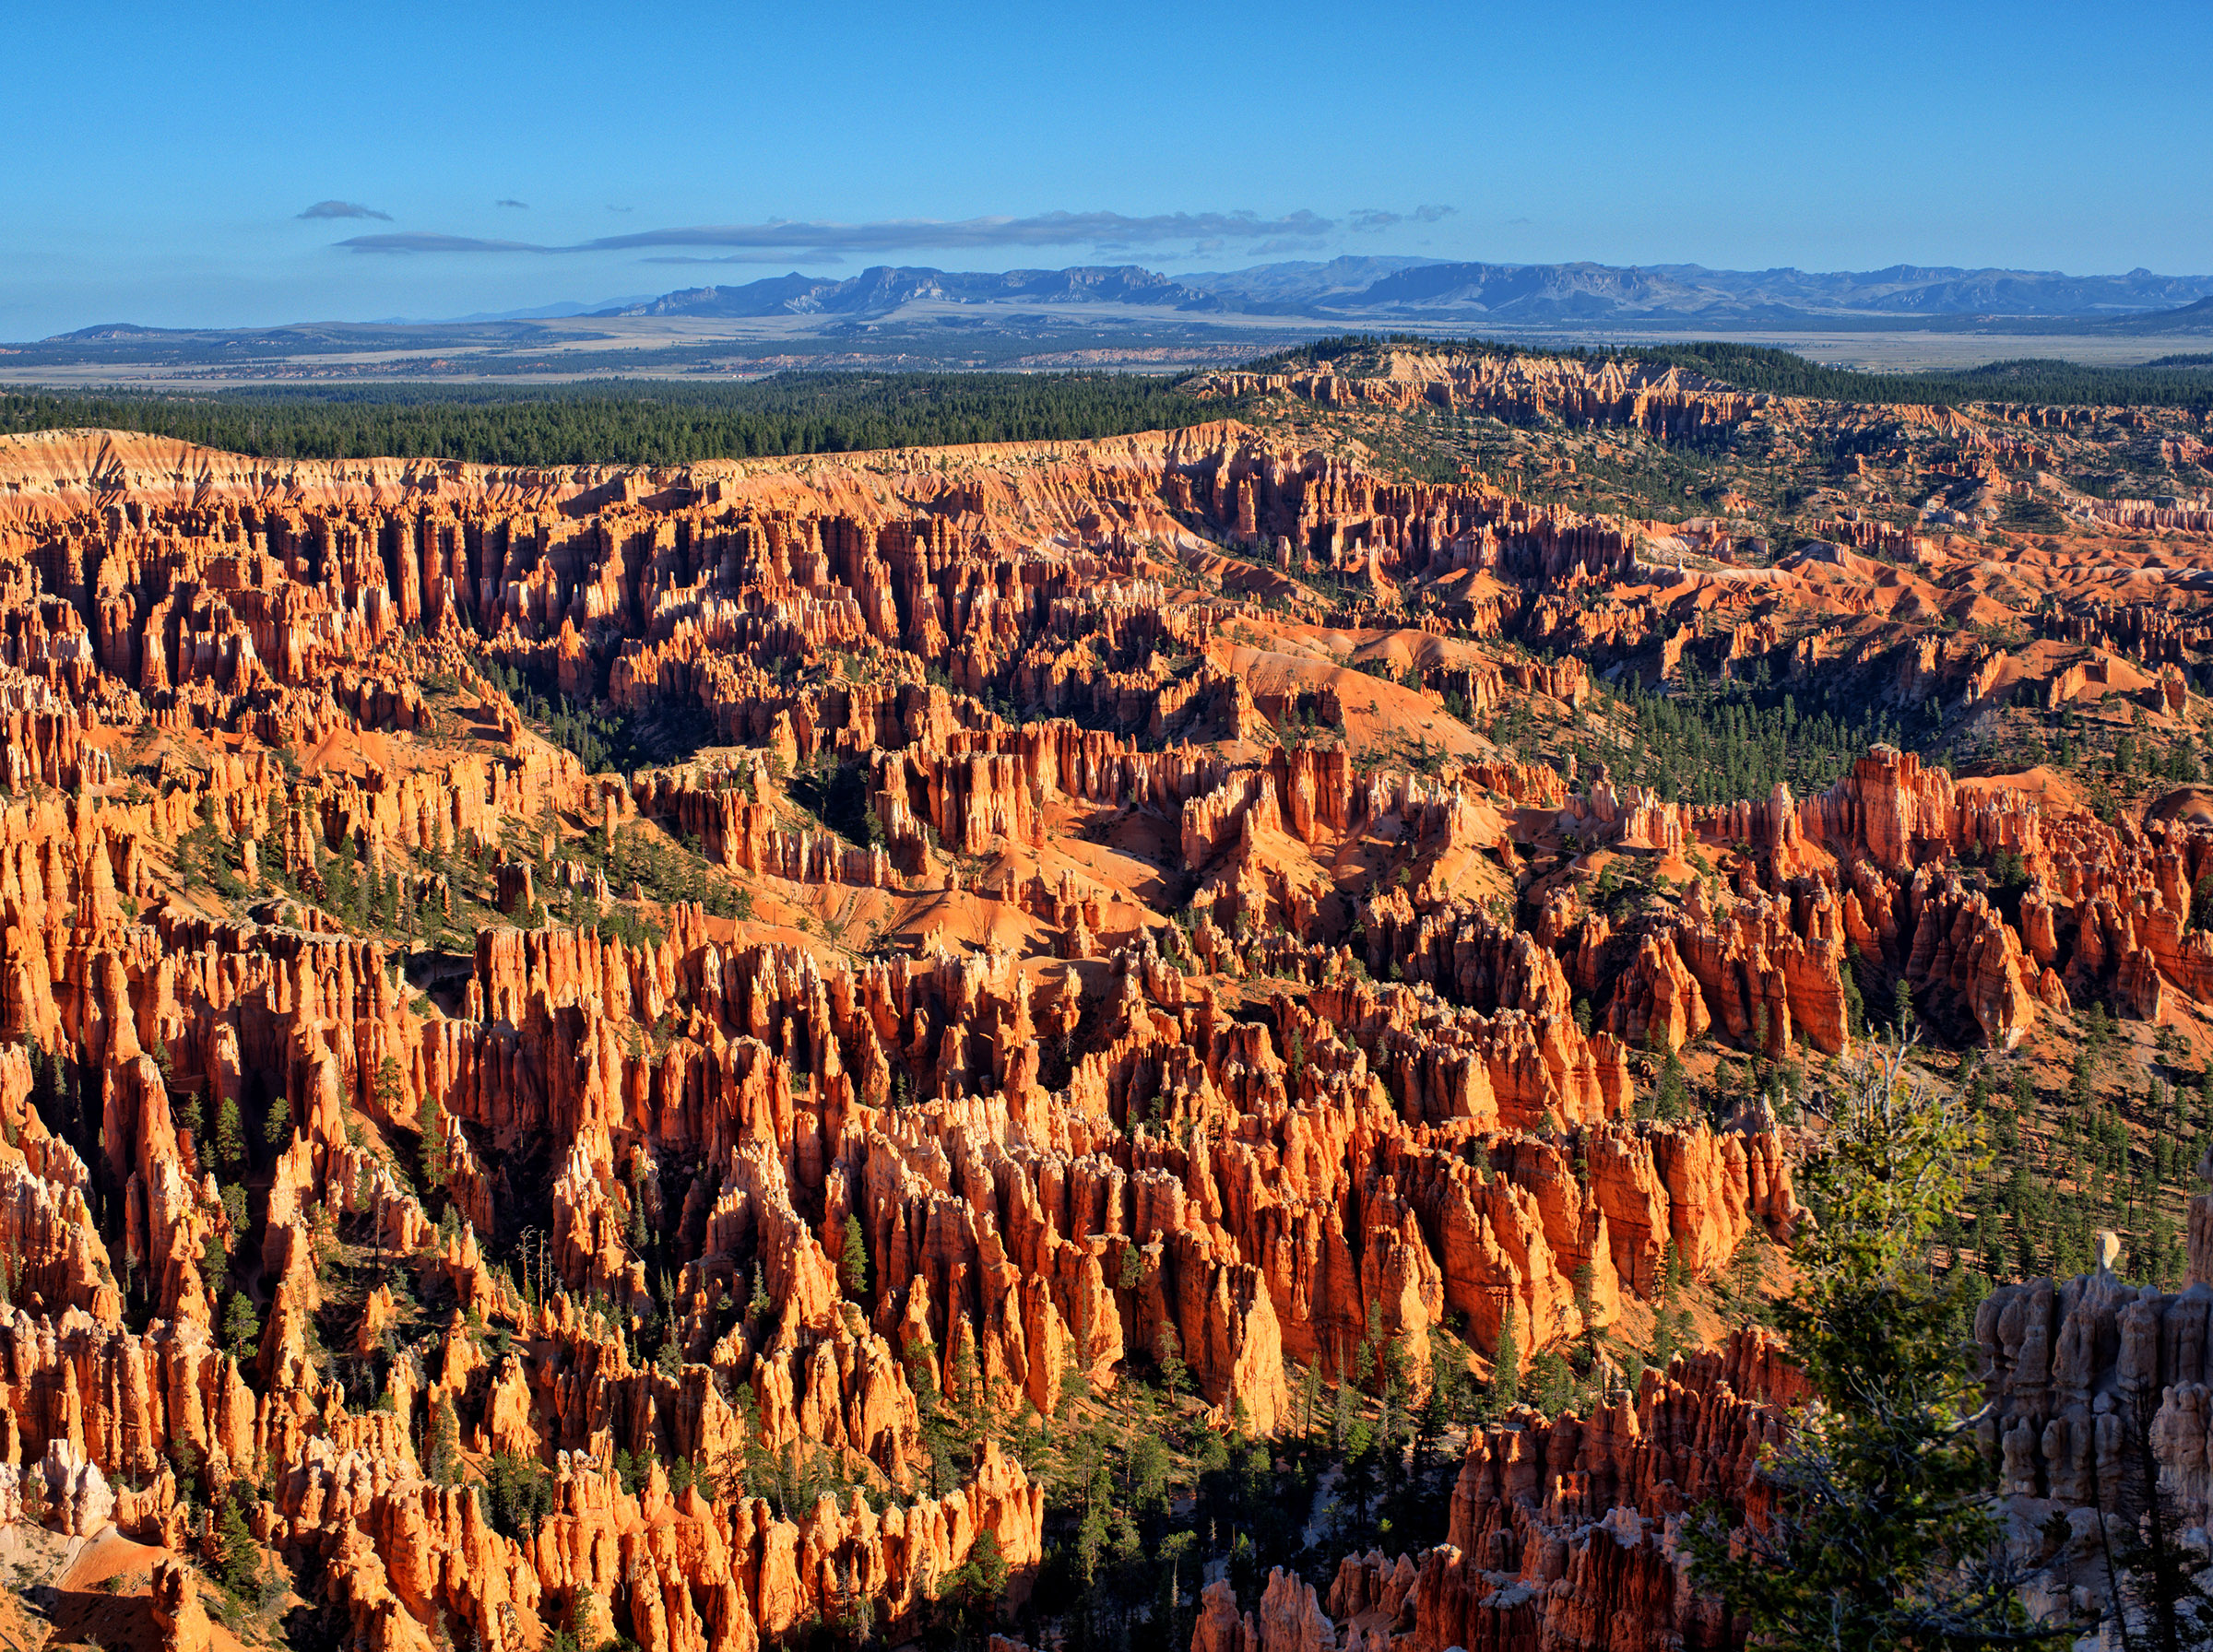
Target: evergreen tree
[1553,1381]
[1506,1363]
[1669,1319]
[441,1454]
[390,1086]
[1671,1096]
[1885,1532]
[520,1493]
[430,1119]
[1744,1273]
[853,1265]
[229,1135]
[1855,1006]
[967,1396]
[338,878]
[242,1326]
[978,1584]
[272,856]
[185,1111]
[1168,1352]
[236,1561]
[1309,1393]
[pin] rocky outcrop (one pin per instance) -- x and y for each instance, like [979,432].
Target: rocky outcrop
[1289,1618]
[1562,1532]
[178,1616]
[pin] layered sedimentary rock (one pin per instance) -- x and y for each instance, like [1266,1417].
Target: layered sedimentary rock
[1021,943]
[293,1204]
[1892,864]
[1563,1532]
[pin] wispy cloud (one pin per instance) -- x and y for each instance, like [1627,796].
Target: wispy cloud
[775,258]
[344,209]
[818,242]
[518,206]
[413,241]
[1368,221]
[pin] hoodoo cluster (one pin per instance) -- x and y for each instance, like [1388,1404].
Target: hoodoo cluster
[1177,975]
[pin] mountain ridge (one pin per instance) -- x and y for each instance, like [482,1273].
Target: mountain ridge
[1527,294]
[884,288]
[923,316]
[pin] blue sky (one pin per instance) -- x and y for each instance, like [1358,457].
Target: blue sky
[160,158]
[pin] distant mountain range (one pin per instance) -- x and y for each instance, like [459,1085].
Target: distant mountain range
[1514,295]
[885,289]
[1126,314]
[1577,293]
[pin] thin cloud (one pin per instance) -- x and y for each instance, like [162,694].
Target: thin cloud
[518,206]
[414,241]
[780,258]
[1370,220]
[819,239]
[344,209]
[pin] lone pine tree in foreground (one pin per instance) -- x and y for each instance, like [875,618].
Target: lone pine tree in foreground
[1886,1529]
